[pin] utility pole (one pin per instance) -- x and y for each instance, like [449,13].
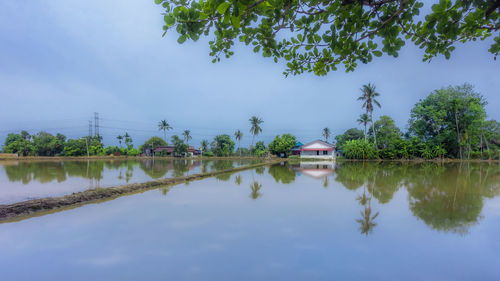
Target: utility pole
[87,145]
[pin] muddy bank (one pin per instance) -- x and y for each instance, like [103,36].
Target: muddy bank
[20,210]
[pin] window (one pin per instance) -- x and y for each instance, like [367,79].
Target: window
[325,152]
[317,152]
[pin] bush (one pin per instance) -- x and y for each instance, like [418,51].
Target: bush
[360,149]
[208,154]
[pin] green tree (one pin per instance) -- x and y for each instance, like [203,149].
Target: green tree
[350,134]
[47,144]
[164,126]
[452,118]
[387,132]
[238,135]
[255,128]
[152,143]
[326,134]
[259,149]
[364,119]
[75,147]
[282,144]
[312,36]
[368,98]
[128,141]
[180,148]
[120,139]
[17,143]
[204,146]
[187,136]
[359,149]
[222,145]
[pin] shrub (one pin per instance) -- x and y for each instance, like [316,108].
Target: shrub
[360,149]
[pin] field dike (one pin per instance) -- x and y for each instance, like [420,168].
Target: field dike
[39,207]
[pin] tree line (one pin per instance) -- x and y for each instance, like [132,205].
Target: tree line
[450,122]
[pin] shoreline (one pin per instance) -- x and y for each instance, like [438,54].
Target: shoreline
[38,207]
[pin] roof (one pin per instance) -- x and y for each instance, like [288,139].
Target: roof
[317,145]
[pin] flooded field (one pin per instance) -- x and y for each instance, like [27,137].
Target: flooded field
[316,221]
[25,180]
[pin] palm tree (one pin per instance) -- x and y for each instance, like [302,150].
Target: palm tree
[255,129]
[238,135]
[120,138]
[187,136]
[204,146]
[326,134]
[164,126]
[368,98]
[364,119]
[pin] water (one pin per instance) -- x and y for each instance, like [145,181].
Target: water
[351,221]
[25,180]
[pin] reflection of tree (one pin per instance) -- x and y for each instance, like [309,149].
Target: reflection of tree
[221,165]
[326,182]
[255,187]
[450,198]
[367,220]
[260,170]
[156,168]
[384,179]
[282,173]
[238,179]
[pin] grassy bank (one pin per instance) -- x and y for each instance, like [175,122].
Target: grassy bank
[124,157]
[30,208]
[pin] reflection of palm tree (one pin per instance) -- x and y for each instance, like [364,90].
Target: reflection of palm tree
[238,180]
[326,182]
[255,187]
[367,221]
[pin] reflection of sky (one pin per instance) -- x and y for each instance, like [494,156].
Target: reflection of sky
[15,190]
[212,230]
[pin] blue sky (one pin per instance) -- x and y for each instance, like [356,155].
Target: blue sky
[61,61]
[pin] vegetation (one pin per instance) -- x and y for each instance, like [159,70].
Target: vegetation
[164,126]
[222,145]
[312,36]
[282,144]
[326,134]
[238,135]
[255,128]
[153,142]
[450,122]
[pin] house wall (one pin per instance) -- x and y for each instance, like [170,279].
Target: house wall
[314,154]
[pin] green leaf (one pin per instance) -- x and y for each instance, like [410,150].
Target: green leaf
[158,2]
[377,53]
[169,20]
[182,39]
[235,21]
[223,7]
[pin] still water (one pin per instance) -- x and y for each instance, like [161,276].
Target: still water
[25,180]
[349,221]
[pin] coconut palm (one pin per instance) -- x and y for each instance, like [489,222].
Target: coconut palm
[187,136]
[120,138]
[238,135]
[368,98]
[164,126]
[364,119]
[326,133]
[255,128]
[204,146]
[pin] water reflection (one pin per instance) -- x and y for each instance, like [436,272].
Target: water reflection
[255,187]
[446,197]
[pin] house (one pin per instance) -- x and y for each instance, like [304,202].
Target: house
[296,149]
[168,151]
[317,149]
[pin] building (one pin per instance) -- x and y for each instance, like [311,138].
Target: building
[317,149]
[296,149]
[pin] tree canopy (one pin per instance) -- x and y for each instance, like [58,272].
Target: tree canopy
[319,35]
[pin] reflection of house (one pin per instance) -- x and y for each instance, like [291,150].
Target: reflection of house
[168,151]
[316,169]
[317,149]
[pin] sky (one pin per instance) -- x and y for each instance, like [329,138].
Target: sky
[61,61]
